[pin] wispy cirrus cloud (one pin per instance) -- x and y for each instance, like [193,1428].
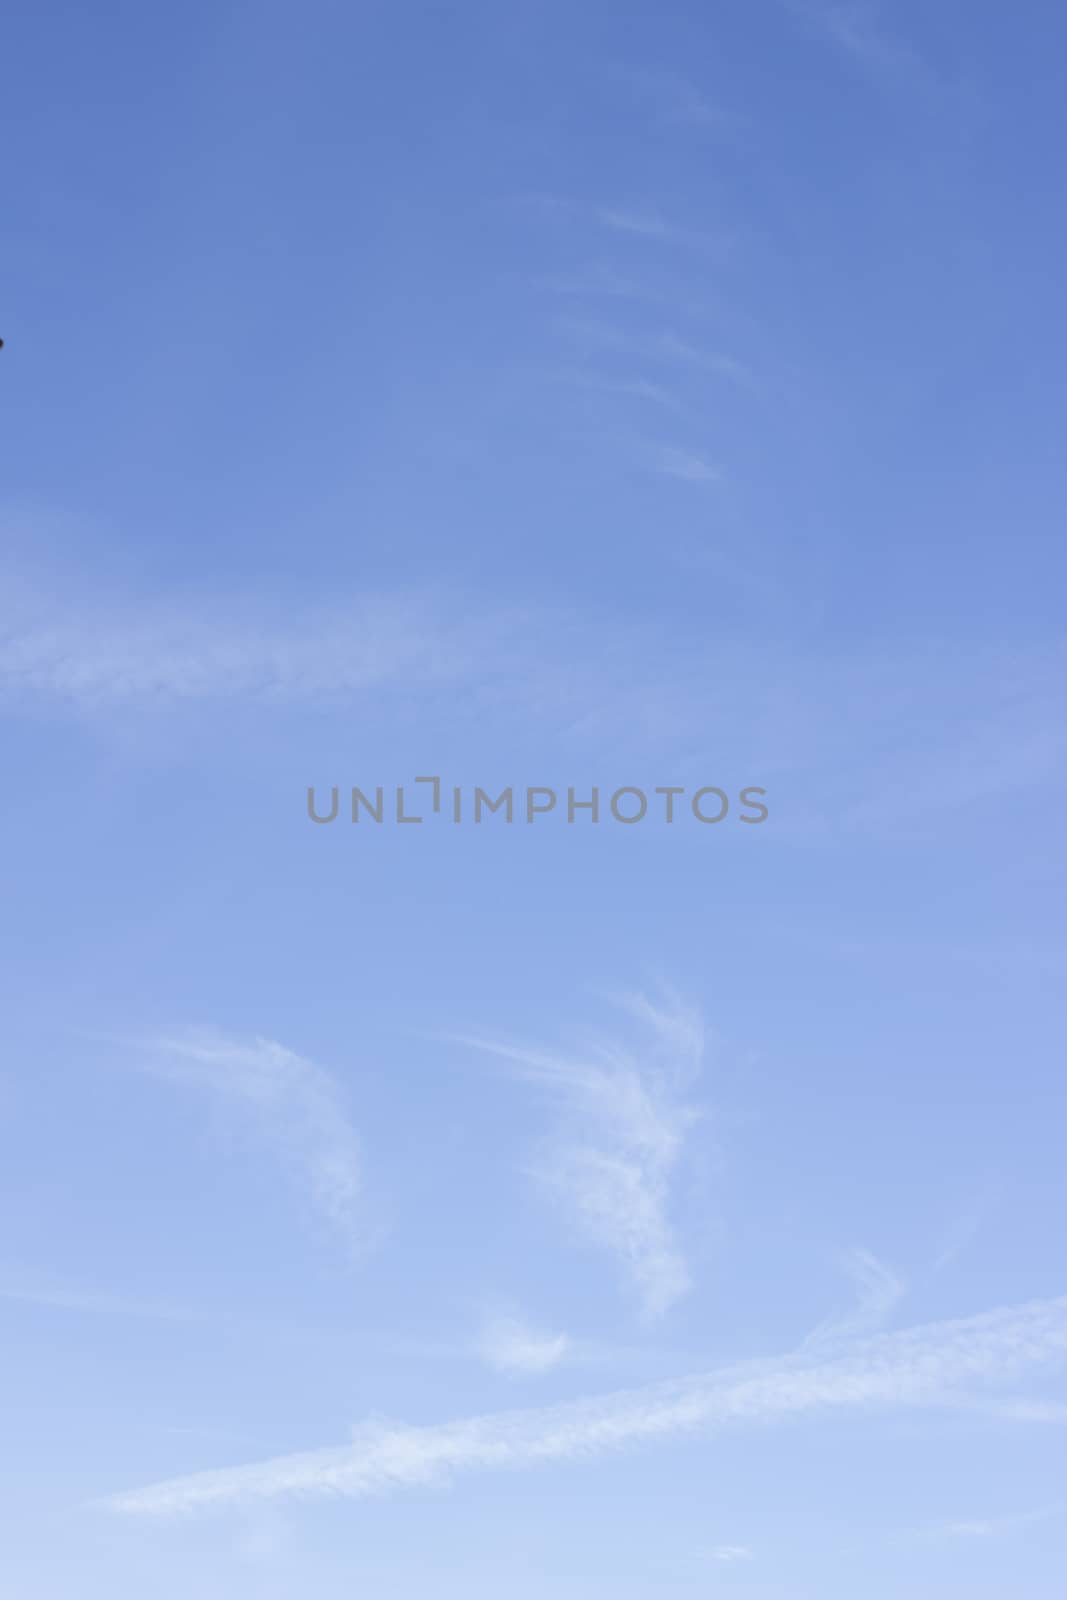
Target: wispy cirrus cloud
[1040,1411]
[640,221]
[879,1290]
[646,224]
[105,649]
[20,1289]
[925,1367]
[651,226]
[598,280]
[992,1527]
[672,97]
[855,25]
[961,1233]
[510,1344]
[623,1124]
[686,465]
[778,709]
[664,347]
[294,1106]
[731,1553]
[858,29]
[642,389]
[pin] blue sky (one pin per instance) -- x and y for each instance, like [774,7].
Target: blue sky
[532,396]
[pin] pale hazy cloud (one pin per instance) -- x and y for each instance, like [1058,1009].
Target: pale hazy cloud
[929,1366]
[293,1105]
[878,1292]
[510,1344]
[731,1553]
[623,1122]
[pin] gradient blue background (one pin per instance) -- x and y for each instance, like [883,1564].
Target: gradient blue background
[679,388]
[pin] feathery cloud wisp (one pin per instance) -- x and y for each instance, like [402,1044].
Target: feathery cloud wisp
[110,651]
[856,28]
[646,224]
[628,388]
[673,98]
[989,1527]
[664,346]
[685,465]
[92,1302]
[511,1345]
[296,1105]
[879,1291]
[925,1367]
[623,1126]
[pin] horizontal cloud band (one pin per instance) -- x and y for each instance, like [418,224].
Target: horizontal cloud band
[925,1366]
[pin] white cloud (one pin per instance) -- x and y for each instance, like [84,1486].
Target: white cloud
[1046,1411]
[856,28]
[684,464]
[988,1527]
[623,1127]
[649,225]
[597,280]
[664,346]
[774,709]
[879,1292]
[295,1106]
[673,98]
[91,1302]
[93,651]
[961,1232]
[991,1527]
[630,388]
[732,1552]
[646,224]
[852,24]
[927,1366]
[511,1345]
